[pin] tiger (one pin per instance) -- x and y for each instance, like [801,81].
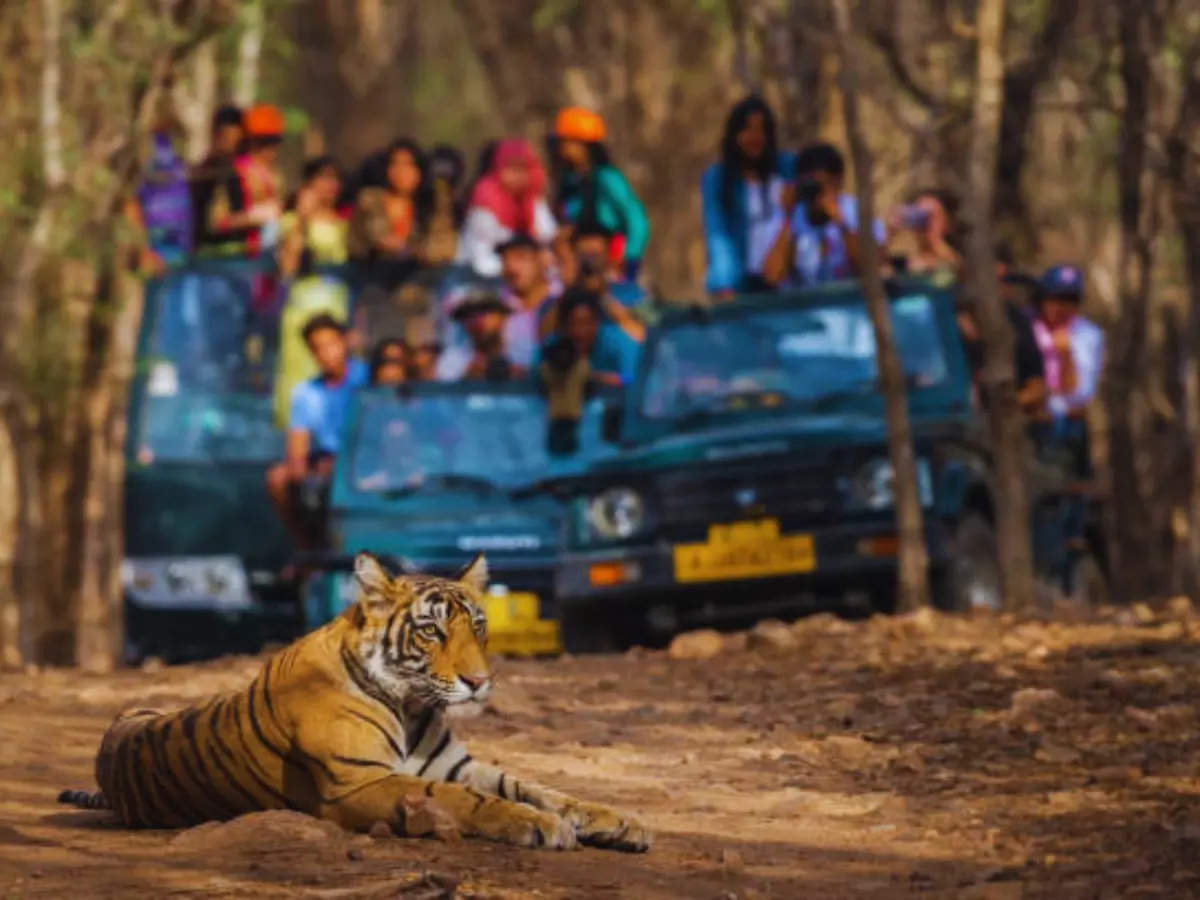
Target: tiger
[344,724]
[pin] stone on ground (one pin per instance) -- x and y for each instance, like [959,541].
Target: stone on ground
[702,644]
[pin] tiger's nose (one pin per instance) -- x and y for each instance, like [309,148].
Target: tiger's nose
[476,682]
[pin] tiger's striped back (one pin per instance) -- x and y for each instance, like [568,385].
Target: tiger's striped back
[369,687]
[212,761]
[344,724]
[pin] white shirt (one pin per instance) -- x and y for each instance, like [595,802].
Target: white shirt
[482,231]
[763,221]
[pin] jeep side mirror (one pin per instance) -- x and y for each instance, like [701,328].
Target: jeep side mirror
[610,426]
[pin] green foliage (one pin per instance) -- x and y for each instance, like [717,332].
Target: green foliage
[295,119]
[553,12]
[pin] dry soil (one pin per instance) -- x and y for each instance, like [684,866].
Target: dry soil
[920,755]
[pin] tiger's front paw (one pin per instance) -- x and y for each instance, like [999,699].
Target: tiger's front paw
[528,827]
[600,826]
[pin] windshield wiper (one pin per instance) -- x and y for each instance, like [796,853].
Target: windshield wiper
[443,483]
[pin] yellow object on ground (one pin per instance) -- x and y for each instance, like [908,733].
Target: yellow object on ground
[515,628]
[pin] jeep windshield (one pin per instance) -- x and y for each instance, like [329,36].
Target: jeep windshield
[812,356]
[487,439]
[208,363]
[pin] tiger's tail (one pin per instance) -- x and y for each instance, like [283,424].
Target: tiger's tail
[84,800]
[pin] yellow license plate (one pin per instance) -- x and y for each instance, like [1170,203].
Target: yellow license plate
[745,550]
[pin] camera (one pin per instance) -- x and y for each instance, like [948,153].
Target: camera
[561,355]
[590,266]
[914,217]
[808,191]
[498,369]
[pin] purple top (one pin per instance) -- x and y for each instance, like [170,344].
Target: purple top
[165,199]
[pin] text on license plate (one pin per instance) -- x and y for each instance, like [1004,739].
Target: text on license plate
[745,550]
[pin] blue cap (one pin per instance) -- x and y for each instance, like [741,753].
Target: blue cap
[1063,281]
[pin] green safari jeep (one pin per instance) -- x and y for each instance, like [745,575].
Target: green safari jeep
[204,550]
[754,475]
[432,474]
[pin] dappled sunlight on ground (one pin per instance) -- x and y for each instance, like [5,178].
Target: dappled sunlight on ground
[921,754]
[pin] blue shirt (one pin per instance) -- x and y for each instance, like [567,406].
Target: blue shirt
[819,253]
[320,408]
[727,232]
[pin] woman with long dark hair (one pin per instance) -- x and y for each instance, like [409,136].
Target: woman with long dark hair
[591,189]
[313,221]
[391,208]
[743,198]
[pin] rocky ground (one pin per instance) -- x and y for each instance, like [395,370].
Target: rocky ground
[919,755]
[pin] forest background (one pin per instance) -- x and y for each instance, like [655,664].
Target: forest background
[1097,161]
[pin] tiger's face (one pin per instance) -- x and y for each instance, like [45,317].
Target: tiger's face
[423,639]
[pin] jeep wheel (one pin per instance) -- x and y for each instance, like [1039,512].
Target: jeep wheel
[1087,585]
[970,579]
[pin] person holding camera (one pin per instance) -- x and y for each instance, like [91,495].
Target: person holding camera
[589,268]
[818,242]
[927,222]
[564,373]
[584,329]
[485,356]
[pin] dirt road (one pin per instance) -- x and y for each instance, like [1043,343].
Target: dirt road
[920,756]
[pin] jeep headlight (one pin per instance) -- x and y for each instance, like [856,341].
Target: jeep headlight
[872,487]
[616,514]
[182,582]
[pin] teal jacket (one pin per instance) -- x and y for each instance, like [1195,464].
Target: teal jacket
[614,205]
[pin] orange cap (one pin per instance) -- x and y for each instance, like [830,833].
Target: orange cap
[578,124]
[263,120]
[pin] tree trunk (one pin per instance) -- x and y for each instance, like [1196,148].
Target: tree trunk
[357,63]
[913,588]
[246,76]
[10,499]
[195,98]
[1009,443]
[83,117]
[108,371]
[741,49]
[1021,82]
[1133,543]
[1184,173]
[1190,235]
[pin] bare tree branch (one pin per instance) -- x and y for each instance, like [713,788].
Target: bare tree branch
[1014,542]
[245,82]
[884,37]
[53,170]
[913,580]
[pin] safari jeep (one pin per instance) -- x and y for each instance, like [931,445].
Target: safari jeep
[204,549]
[754,476]
[432,474]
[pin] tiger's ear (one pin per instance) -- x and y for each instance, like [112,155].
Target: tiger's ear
[374,583]
[475,575]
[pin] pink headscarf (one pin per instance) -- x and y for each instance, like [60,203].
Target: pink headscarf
[512,210]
